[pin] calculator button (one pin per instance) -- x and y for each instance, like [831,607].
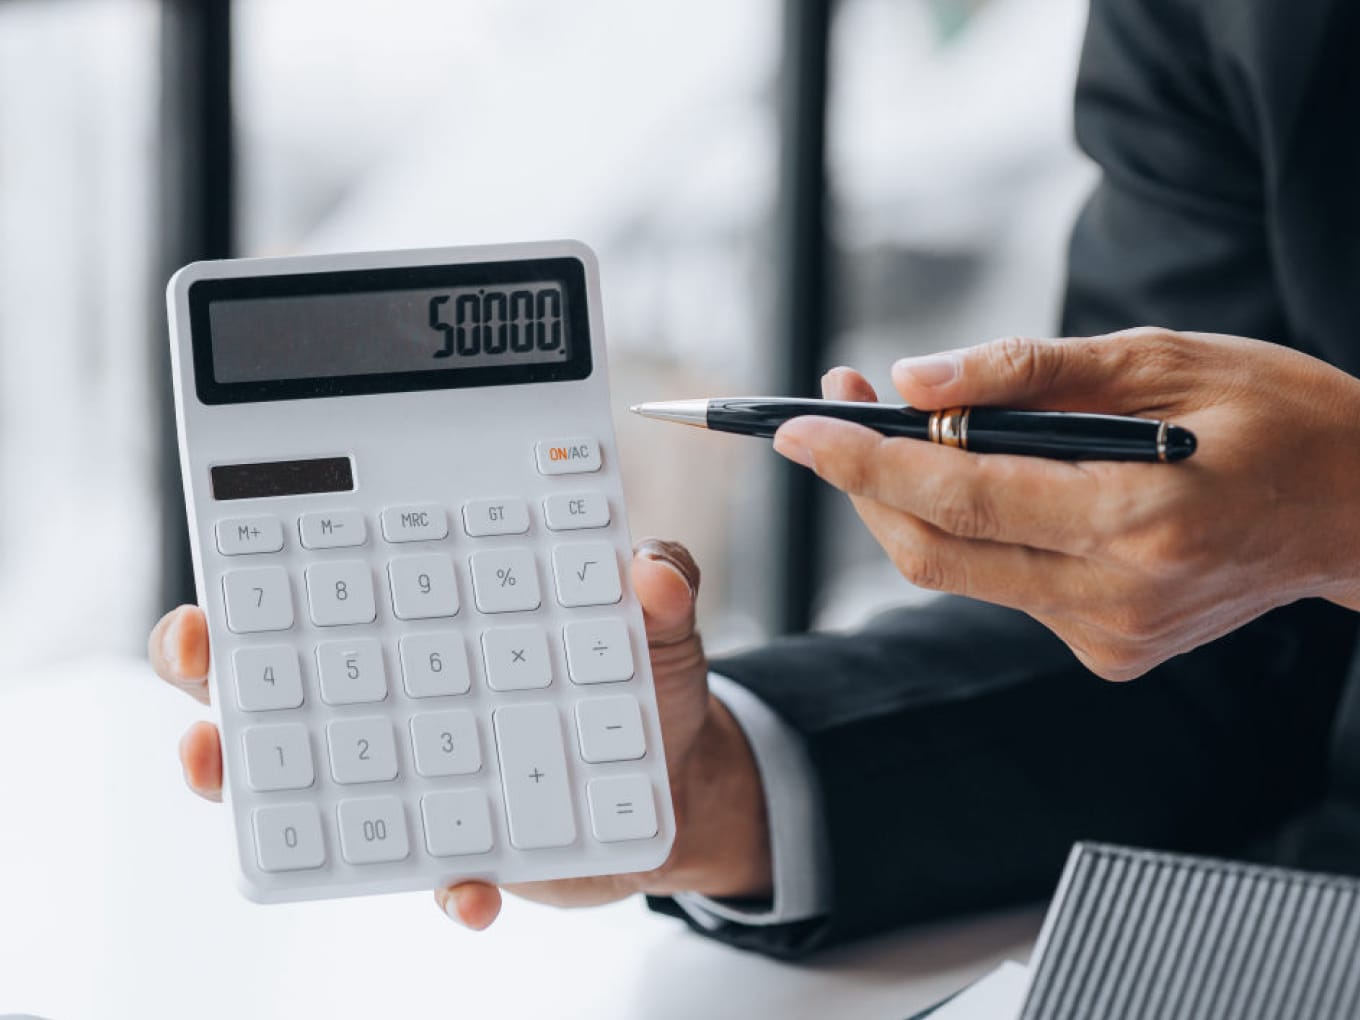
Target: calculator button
[567,456]
[258,600]
[456,822]
[621,807]
[598,651]
[587,574]
[333,529]
[340,593]
[569,511]
[423,587]
[351,671]
[425,523]
[483,517]
[362,750]
[505,580]
[373,830]
[516,658]
[446,743]
[610,729]
[434,665]
[267,678]
[288,837]
[534,776]
[278,757]
[242,536]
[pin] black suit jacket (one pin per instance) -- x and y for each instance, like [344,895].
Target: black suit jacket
[961,748]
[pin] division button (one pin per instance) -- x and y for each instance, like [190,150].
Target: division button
[598,651]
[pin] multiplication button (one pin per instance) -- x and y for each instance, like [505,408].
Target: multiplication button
[242,536]
[333,529]
[424,523]
[516,658]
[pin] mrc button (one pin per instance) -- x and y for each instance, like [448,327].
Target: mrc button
[568,456]
[426,522]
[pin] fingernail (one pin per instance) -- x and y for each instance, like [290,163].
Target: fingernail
[170,643]
[451,910]
[931,370]
[794,451]
[674,556]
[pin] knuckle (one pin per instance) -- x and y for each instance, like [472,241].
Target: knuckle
[964,510]
[1119,663]
[1021,360]
[921,565]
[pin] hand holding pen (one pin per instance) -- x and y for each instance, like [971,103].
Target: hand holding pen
[1128,563]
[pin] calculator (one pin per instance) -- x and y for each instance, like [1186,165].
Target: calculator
[409,539]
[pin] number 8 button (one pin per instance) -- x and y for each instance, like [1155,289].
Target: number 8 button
[340,593]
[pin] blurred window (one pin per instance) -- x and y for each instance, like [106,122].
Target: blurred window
[78,543]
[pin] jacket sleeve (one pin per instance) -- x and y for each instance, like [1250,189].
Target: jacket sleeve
[960,748]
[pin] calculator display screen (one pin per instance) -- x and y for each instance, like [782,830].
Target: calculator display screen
[372,331]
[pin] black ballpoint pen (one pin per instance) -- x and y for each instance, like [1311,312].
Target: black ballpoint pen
[1057,435]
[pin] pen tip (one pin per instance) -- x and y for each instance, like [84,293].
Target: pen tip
[635,408]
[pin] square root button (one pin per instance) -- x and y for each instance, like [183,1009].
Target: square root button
[567,456]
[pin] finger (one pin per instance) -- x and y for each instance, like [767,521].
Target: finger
[1031,580]
[178,650]
[1122,373]
[472,904]
[846,384]
[200,755]
[1021,500]
[666,580]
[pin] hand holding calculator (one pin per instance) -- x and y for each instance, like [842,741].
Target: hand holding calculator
[410,544]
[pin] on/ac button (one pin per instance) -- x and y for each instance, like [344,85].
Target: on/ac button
[567,456]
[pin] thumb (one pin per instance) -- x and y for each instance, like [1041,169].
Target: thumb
[666,580]
[1085,374]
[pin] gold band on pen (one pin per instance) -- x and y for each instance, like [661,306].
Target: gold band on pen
[1162,427]
[949,427]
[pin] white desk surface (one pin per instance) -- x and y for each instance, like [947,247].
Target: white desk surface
[116,900]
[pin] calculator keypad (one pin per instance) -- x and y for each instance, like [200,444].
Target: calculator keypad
[278,757]
[505,580]
[351,672]
[257,600]
[527,741]
[340,593]
[423,587]
[362,750]
[434,665]
[587,574]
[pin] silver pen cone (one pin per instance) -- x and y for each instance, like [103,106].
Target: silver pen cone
[686,412]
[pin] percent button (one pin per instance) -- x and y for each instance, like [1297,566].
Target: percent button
[505,580]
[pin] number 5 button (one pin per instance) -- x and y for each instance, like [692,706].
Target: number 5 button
[587,574]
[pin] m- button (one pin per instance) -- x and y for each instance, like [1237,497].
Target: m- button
[567,456]
[425,523]
[334,529]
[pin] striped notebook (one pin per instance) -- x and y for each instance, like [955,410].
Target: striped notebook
[1138,934]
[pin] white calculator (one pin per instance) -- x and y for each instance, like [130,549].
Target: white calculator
[410,542]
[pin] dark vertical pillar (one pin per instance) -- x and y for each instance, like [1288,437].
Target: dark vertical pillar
[196,220]
[801,313]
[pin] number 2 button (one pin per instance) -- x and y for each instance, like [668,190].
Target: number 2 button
[362,750]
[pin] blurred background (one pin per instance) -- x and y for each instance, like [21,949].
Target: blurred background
[668,135]
[773,187]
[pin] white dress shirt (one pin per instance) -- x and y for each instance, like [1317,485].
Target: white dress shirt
[794,810]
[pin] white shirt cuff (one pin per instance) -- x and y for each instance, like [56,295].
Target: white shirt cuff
[793,808]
